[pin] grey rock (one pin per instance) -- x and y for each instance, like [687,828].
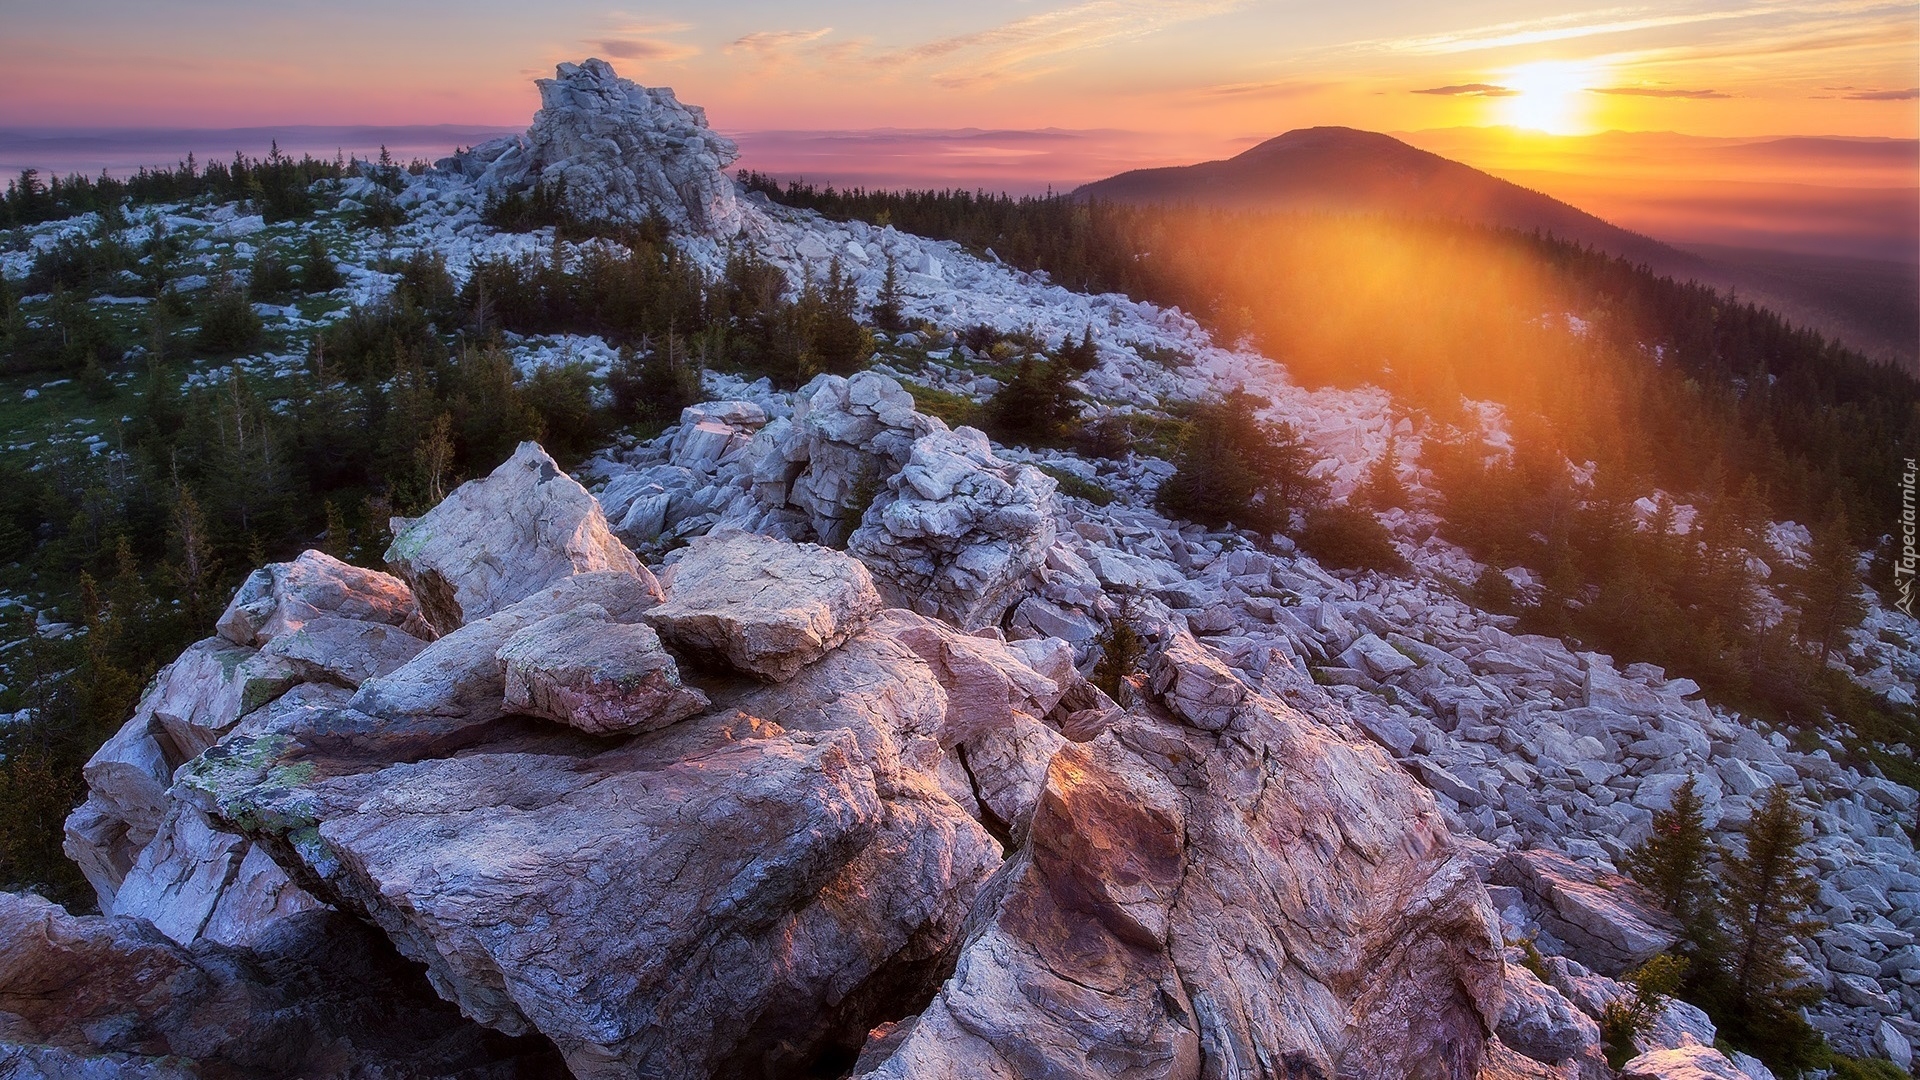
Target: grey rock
[499,539]
[766,607]
[623,153]
[581,669]
[283,597]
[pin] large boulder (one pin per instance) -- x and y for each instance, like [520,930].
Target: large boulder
[1690,1062]
[452,690]
[195,700]
[958,529]
[497,540]
[189,883]
[283,597]
[1279,901]
[1604,920]
[582,669]
[764,607]
[94,996]
[723,897]
[615,152]
[347,652]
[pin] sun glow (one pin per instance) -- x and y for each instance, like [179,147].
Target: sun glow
[1551,96]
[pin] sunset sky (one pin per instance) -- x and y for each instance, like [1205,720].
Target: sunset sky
[1134,81]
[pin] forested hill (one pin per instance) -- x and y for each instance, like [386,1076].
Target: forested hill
[1344,170]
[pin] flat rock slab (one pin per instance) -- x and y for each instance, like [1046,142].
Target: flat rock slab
[1606,921]
[766,607]
[585,671]
[497,540]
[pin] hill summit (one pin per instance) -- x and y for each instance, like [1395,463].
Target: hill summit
[1346,170]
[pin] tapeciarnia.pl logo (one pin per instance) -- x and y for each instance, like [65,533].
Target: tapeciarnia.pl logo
[1909,560]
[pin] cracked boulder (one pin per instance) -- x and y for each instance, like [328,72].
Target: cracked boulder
[584,670]
[283,597]
[497,540]
[1276,902]
[958,529]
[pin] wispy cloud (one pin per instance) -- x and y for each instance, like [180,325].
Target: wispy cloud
[1908,94]
[1477,89]
[1278,88]
[773,43]
[1027,47]
[1657,92]
[633,39]
[1612,21]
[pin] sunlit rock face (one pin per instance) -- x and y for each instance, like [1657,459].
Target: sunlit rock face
[618,151]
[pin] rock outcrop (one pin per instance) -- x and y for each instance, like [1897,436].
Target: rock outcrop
[753,824]
[614,151]
[959,529]
[1189,905]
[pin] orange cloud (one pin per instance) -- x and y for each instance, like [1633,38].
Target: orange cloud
[1471,90]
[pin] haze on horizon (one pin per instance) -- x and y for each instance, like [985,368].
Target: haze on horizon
[1020,96]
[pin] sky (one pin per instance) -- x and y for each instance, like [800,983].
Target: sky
[1007,93]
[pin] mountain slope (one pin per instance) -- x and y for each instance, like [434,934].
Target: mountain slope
[1344,170]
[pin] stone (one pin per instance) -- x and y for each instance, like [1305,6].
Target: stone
[177,879]
[1186,903]
[322,995]
[1377,658]
[197,698]
[1195,684]
[127,781]
[449,693]
[958,530]
[283,597]
[617,901]
[1607,922]
[618,151]
[1603,688]
[1692,1062]
[765,607]
[343,651]
[499,539]
[581,669]
[1542,1024]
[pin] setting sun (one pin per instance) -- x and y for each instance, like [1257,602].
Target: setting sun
[1550,96]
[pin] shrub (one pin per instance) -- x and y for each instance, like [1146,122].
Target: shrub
[1077,487]
[228,323]
[1036,406]
[1350,538]
[1621,1021]
[318,272]
[1121,649]
[653,385]
[270,281]
[1232,469]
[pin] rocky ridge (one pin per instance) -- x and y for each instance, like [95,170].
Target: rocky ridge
[1524,748]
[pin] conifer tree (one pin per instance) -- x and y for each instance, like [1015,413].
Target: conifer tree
[1768,886]
[1672,863]
[1828,589]
[1383,487]
[886,306]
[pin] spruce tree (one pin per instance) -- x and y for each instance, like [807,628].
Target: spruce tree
[1383,487]
[886,307]
[1768,886]
[1672,863]
[1828,588]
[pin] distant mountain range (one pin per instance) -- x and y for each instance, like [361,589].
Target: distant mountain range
[1871,305]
